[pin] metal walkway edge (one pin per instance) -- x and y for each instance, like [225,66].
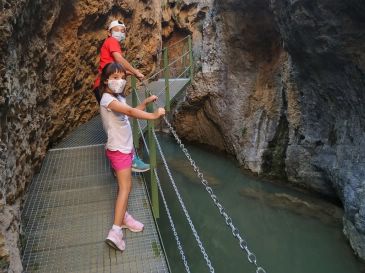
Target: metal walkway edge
[69,210]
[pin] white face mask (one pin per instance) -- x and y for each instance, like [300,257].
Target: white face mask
[117,86]
[120,36]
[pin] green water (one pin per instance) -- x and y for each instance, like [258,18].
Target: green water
[284,240]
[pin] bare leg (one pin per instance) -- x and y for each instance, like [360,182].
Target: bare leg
[125,184]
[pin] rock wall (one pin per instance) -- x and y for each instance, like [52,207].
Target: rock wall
[281,86]
[48,62]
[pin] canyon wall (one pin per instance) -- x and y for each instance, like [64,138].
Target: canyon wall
[279,84]
[49,60]
[48,63]
[281,87]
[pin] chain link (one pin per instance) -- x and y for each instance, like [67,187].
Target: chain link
[235,231]
[251,257]
[179,245]
[182,204]
[197,238]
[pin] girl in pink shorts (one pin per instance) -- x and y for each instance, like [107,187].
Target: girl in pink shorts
[114,113]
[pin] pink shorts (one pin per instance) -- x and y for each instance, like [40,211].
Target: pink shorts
[118,160]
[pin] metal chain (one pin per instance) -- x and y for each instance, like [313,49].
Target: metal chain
[192,227]
[179,245]
[197,238]
[236,233]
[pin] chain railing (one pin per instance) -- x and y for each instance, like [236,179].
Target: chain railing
[172,224]
[182,204]
[235,231]
[228,220]
[153,141]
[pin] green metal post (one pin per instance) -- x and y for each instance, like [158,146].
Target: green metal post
[191,62]
[153,163]
[166,76]
[134,104]
[186,60]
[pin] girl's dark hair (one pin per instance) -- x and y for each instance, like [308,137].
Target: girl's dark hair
[108,70]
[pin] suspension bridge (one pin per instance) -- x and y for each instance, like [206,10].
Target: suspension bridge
[69,204]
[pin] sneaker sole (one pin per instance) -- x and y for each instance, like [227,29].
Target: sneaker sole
[111,244]
[133,230]
[139,170]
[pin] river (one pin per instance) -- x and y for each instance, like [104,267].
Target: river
[290,231]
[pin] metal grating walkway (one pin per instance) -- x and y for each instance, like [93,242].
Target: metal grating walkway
[89,133]
[70,203]
[69,211]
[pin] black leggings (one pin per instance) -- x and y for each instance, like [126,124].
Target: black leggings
[97,94]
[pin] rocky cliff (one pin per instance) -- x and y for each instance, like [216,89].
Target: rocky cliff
[49,58]
[281,87]
[48,61]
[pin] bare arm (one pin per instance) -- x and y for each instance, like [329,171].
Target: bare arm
[143,105]
[120,59]
[134,112]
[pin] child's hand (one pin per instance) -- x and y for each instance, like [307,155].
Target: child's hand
[160,112]
[152,98]
[139,75]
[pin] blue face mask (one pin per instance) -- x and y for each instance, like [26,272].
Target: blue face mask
[120,36]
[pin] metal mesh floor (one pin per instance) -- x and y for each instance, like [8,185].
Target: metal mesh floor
[90,133]
[70,203]
[69,210]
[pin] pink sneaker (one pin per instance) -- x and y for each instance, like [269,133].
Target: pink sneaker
[115,240]
[132,224]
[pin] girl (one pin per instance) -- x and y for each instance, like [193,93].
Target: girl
[112,52]
[119,147]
